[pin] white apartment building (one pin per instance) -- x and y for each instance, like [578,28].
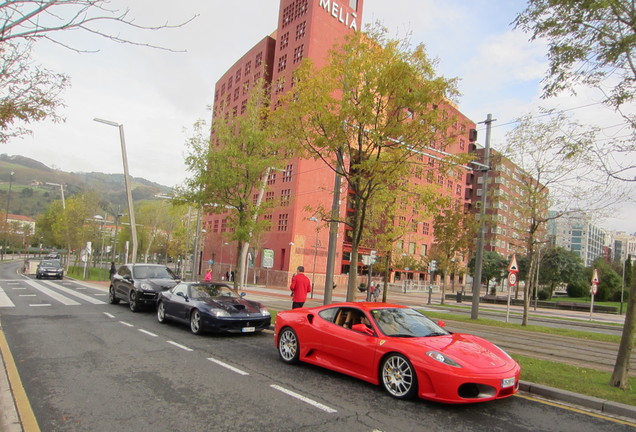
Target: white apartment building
[577,233]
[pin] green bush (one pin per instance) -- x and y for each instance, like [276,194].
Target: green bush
[544,294]
[578,289]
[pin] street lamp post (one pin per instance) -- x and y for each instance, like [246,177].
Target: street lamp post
[6,215]
[131,209]
[62,189]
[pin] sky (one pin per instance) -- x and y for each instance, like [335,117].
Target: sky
[158,95]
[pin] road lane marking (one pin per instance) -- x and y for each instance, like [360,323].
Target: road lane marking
[27,295]
[227,366]
[5,301]
[126,324]
[183,347]
[28,421]
[304,399]
[74,293]
[576,410]
[109,315]
[21,288]
[40,304]
[53,294]
[147,332]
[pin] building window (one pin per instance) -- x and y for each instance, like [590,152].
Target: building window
[280,85]
[224,225]
[216,226]
[230,82]
[282,63]
[271,178]
[424,249]
[237,92]
[412,248]
[287,175]
[237,77]
[414,226]
[425,228]
[284,41]
[285,195]
[282,222]
[462,144]
[246,87]
[243,107]
[268,218]
[269,196]
[300,30]
[248,68]
[458,189]
[259,60]
[298,53]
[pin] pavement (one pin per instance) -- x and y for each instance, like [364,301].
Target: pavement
[278,298]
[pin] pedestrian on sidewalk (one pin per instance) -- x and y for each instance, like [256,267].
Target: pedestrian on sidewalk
[300,286]
[112,270]
[208,276]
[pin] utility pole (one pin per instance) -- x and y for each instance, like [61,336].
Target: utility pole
[333,232]
[479,257]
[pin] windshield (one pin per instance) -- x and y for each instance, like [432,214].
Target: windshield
[152,272]
[50,263]
[404,322]
[200,291]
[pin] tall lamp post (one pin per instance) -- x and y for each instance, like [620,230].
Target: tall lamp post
[6,215]
[62,189]
[131,209]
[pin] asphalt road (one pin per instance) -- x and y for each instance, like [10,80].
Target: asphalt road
[90,366]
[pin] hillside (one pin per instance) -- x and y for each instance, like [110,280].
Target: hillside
[31,196]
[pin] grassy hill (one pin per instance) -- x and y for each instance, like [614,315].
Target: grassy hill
[31,196]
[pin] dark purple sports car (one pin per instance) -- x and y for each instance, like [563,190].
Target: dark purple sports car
[211,307]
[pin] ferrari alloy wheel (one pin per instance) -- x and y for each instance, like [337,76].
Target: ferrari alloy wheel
[112,298]
[195,322]
[398,377]
[132,301]
[161,312]
[288,346]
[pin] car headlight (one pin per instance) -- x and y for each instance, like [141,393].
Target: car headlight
[265,312]
[219,313]
[146,286]
[436,355]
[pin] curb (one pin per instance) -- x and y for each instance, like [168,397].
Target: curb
[590,402]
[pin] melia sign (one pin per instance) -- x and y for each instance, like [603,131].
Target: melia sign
[335,9]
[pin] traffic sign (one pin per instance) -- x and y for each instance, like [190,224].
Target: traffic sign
[513,266]
[512,279]
[594,289]
[595,277]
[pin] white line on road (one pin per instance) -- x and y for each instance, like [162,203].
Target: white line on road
[74,293]
[227,366]
[109,315]
[147,332]
[126,324]
[27,295]
[183,347]
[40,304]
[5,301]
[21,288]
[55,295]
[304,399]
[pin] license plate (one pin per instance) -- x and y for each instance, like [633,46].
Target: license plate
[507,382]
[248,329]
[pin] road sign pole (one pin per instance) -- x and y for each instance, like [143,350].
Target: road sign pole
[592,302]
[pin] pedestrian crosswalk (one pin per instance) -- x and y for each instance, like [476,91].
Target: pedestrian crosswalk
[46,293]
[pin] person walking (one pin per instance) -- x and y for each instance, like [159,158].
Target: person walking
[208,276]
[300,286]
[112,270]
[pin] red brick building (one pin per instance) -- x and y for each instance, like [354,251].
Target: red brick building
[307,29]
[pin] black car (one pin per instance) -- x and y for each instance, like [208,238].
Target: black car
[49,268]
[212,307]
[140,284]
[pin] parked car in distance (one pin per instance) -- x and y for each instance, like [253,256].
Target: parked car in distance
[49,268]
[398,348]
[53,255]
[140,284]
[212,307]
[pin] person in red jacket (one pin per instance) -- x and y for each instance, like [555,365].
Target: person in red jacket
[300,286]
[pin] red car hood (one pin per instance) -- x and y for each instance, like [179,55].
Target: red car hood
[470,351]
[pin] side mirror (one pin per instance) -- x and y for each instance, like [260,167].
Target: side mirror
[243,294]
[362,328]
[441,323]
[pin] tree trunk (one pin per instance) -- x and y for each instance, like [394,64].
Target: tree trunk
[621,368]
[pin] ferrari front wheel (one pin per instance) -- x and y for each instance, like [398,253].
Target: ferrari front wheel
[398,377]
[195,322]
[288,346]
